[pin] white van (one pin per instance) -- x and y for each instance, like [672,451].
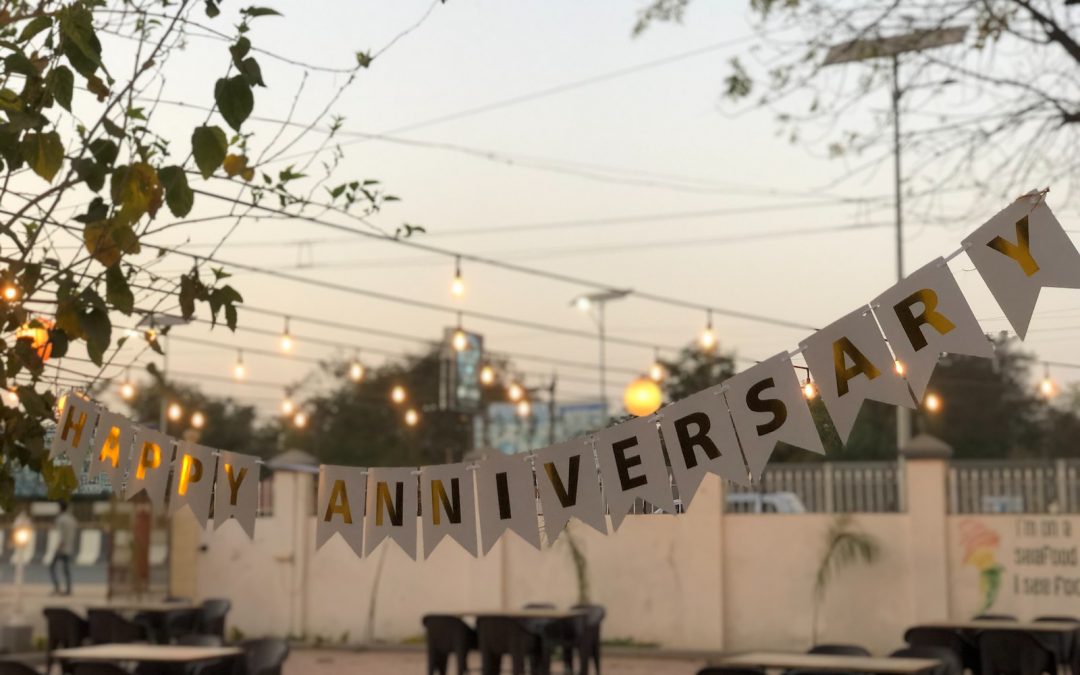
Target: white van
[764,502]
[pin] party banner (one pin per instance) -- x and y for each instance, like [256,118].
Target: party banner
[74,430]
[1018,252]
[700,439]
[339,506]
[236,491]
[448,506]
[148,468]
[925,315]
[506,495]
[111,449]
[569,486]
[632,467]
[391,508]
[768,406]
[193,480]
[851,363]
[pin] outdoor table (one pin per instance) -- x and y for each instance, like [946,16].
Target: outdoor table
[1060,637]
[829,662]
[143,653]
[156,612]
[541,622]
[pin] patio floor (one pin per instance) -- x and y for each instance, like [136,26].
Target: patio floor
[326,661]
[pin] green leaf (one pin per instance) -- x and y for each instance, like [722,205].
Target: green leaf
[90,172]
[78,40]
[36,25]
[189,290]
[59,339]
[252,12]
[178,195]
[240,50]
[234,100]
[252,72]
[61,83]
[209,146]
[117,291]
[43,152]
[97,328]
[364,59]
[112,128]
[104,151]
[225,297]
[17,62]
[9,149]
[212,8]
[32,401]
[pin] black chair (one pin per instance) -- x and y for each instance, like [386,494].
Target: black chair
[16,668]
[952,640]
[264,656]
[719,670]
[1008,652]
[65,629]
[107,626]
[995,617]
[212,613]
[950,660]
[539,605]
[589,642]
[505,635]
[446,636]
[839,650]
[97,668]
[178,623]
[200,640]
[1057,619]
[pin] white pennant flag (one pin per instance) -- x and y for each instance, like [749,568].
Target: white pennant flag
[391,508]
[507,498]
[111,451]
[700,439]
[236,490]
[448,506]
[632,467]
[1018,252]
[74,430]
[193,480]
[149,466]
[569,485]
[339,507]
[924,315]
[768,406]
[851,363]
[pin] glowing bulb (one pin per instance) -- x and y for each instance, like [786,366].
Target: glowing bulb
[487,376]
[457,286]
[287,406]
[397,394]
[412,418]
[583,303]
[151,335]
[515,392]
[1048,388]
[657,372]
[642,397]
[239,370]
[809,390]
[127,391]
[198,420]
[60,403]
[524,408]
[11,400]
[21,536]
[707,339]
[299,420]
[460,341]
[356,371]
[286,343]
[10,292]
[932,402]
[900,368]
[175,412]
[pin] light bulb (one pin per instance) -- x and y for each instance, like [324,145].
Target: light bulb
[809,390]
[198,420]
[515,392]
[239,370]
[11,399]
[356,371]
[127,391]
[287,406]
[900,368]
[932,402]
[524,408]
[460,341]
[397,394]
[412,418]
[10,292]
[487,376]
[300,420]
[1048,388]
[151,335]
[457,286]
[175,412]
[707,339]
[657,372]
[286,343]
[21,536]
[583,303]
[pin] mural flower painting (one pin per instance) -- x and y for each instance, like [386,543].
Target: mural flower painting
[980,551]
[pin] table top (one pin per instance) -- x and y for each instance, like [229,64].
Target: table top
[149,606]
[525,613]
[1027,626]
[830,662]
[145,653]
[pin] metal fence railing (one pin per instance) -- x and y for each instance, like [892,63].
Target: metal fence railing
[1014,486]
[827,487]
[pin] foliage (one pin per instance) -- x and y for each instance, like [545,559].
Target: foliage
[845,546]
[694,370]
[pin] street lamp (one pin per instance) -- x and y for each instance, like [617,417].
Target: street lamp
[891,48]
[599,301]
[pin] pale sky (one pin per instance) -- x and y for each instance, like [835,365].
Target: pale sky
[658,141]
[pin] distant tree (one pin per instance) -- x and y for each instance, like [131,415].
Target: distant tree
[693,370]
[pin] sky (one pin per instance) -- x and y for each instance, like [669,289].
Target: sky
[646,181]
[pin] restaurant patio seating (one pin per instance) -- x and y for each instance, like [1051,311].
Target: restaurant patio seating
[995,617]
[446,636]
[265,656]
[950,660]
[211,618]
[539,605]
[952,640]
[498,636]
[65,628]
[1014,653]
[590,639]
[107,626]
[16,668]
[179,622]
[839,650]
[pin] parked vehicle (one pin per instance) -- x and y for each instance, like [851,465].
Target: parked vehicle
[764,502]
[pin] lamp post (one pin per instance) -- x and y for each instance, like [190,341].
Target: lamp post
[598,301]
[891,48]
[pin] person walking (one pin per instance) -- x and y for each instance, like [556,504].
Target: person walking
[67,529]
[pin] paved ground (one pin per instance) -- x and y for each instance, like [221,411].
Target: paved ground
[327,662]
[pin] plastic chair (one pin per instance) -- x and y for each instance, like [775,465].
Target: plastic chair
[446,636]
[212,615]
[16,668]
[1009,652]
[720,670]
[951,639]
[65,629]
[839,650]
[200,640]
[950,660]
[589,643]
[504,635]
[265,656]
[539,605]
[177,623]
[995,617]
[107,626]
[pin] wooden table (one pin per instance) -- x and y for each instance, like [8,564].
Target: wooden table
[829,662]
[142,653]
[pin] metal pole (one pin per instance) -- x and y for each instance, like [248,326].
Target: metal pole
[551,409]
[603,360]
[163,407]
[903,415]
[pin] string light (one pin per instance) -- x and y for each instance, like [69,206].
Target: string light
[356,370]
[175,412]
[11,399]
[300,420]
[459,341]
[457,286]
[151,335]
[900,368]
[487,376]
[657,371]
[287,406]
[286,338]
[515,392]
[1048,388]
[127,389]
[198,420]
[412,418]
[707,339]
[524,408]
[397,394]
[809,390]
[583,303]
[932,402]
[239,369]
[10,292]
